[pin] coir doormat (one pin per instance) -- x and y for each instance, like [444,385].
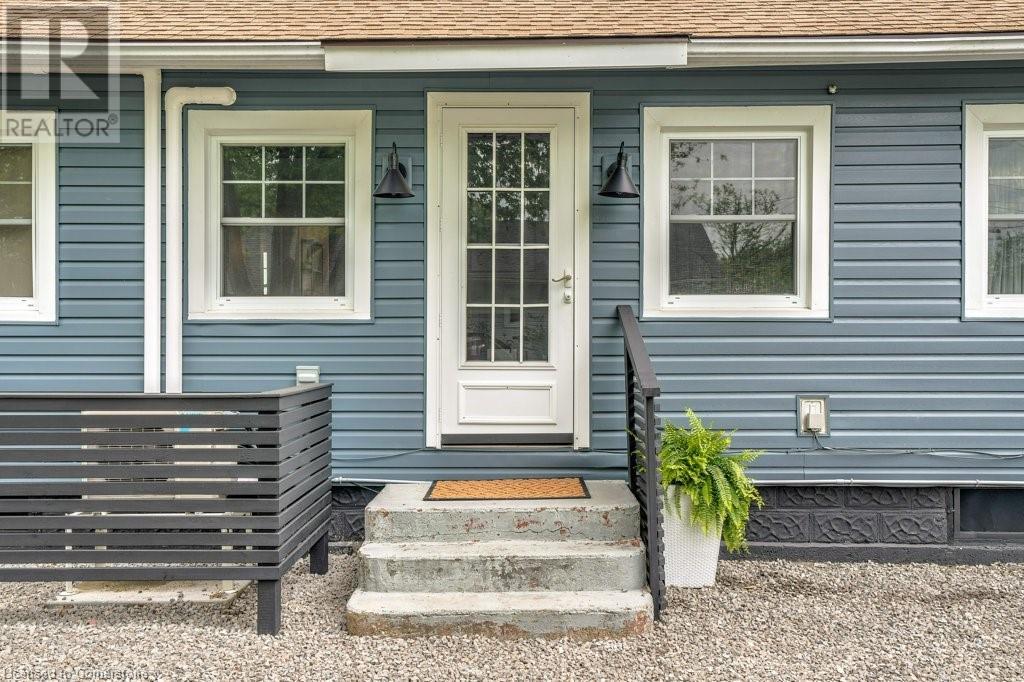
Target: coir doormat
[509,489]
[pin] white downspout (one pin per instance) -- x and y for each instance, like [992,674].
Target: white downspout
[174,104]
[151,80]
[151,219]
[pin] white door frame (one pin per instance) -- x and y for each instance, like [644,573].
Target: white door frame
[580,103]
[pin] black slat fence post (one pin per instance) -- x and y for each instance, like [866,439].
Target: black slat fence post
[195,486]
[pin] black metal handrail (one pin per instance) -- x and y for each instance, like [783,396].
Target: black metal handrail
[196,486]
[642,440]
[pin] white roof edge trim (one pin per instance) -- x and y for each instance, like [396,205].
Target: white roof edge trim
[507,55]
[567,54]
[34,55]
[713,52]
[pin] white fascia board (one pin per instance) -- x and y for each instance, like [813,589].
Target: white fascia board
[721,52]
[35,55]
[505,55]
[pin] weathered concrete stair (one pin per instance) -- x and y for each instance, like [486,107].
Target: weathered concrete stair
[506,568]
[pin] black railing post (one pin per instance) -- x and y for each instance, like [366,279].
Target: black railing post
[655,534]
[641,391]
[631,452]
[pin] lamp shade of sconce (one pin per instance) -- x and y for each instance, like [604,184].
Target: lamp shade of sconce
[619,184]
[394,184]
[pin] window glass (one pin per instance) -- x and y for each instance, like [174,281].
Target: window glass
[1006,215]
[16,196]
[283,224]
[732,217]
[507,280]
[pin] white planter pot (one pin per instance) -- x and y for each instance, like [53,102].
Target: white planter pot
[691,556]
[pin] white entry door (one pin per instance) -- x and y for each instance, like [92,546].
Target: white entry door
[507,278]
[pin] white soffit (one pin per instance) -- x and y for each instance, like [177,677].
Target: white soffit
[506,55]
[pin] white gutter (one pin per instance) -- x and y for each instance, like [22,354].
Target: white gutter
[391,56]
[304,55]
[174,104]
[719,52]
[505,55]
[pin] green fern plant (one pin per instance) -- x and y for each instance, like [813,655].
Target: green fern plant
[694,462]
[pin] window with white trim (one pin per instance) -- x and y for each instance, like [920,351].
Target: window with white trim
[28,225]
[994,210]
[736,211]
[283,208]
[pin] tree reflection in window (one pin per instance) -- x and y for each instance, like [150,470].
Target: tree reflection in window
[732,217]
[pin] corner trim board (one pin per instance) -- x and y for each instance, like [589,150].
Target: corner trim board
[152,231]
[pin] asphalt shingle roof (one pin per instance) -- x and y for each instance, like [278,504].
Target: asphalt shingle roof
[363,20]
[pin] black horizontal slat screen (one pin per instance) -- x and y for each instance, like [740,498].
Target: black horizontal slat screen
[163,487]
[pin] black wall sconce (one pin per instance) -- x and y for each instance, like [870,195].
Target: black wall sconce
[395,183]
[619,184]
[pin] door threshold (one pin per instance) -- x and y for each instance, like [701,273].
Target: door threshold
[509,448]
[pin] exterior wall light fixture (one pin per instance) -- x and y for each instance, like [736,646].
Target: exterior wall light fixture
[619,184]
[395,183]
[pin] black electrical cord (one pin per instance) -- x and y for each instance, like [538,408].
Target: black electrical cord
[820,447]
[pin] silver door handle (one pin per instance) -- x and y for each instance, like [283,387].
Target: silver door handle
[565,278]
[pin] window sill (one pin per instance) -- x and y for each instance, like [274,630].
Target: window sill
[279,316]
[27,315]
[994,313]
[736,314]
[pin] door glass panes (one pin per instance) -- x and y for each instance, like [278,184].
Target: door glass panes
[507,281]
[1006,215]
[283,224]
[733,206]
[16,221]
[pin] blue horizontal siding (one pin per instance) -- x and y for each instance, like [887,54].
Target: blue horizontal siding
[902,368]
[96,344]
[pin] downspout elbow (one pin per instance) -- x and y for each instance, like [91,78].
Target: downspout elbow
[176,98]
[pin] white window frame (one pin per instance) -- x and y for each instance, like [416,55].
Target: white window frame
[210,129]
[812,127]
[982,122]
[40,129]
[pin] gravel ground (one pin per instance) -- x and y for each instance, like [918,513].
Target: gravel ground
[768,620]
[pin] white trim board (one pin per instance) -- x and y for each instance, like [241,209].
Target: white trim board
[633,52]
[982,122]
[35,55]
[811,127]
[580,102]
[721,52]
[41,306]
[507,55]
[207,131]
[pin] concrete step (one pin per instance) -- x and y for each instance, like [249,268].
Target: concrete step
[501,566]
[583,615]
[400,514]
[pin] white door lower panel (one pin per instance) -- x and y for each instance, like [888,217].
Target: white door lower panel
[507,403]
